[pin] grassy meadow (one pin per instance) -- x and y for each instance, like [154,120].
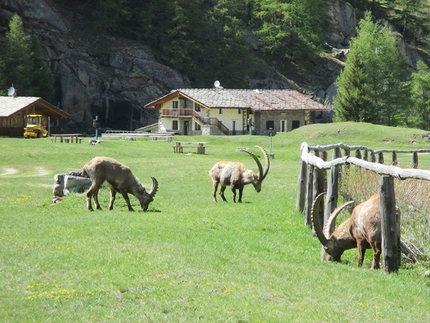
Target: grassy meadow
[188,259]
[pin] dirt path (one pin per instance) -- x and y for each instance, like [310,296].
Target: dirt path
[39,171]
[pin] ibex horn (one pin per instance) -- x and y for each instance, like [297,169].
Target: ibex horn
[266,162]
[154,187]
[316,219]
[260,168]
[328,228]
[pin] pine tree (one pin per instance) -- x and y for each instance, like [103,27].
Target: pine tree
[350,102]
[42,83]
[420,115]
[372,87]
[22,64]
[410,16]
[292,29]
[17,65]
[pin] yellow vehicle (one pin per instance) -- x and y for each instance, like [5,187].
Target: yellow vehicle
[35,126]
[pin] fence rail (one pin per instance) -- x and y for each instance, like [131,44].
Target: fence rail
[313,180]
[134,134]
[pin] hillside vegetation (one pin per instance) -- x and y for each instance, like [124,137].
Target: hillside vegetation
[110,58]
[228,40]
[188,259]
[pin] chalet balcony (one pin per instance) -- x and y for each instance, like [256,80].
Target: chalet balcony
[190,113]
[176,113]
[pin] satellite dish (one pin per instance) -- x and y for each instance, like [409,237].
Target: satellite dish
[11,91]
[217,84]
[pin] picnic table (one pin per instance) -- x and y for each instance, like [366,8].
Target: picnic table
[199,146]
[66,138]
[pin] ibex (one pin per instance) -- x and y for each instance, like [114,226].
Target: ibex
[121,180]
[361,230]
[237,176]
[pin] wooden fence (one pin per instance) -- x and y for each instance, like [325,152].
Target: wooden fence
[313,179]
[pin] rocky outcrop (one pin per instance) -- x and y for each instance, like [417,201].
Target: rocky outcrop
[343,20]
[95,75]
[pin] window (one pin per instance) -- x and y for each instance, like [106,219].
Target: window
[175,104]
[197,126]
[238,111]
[196,107]
[175,125]
[220,111]
[270,124]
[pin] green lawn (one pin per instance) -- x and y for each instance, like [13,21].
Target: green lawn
[187,259]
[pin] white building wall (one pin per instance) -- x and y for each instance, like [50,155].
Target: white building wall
[167,123]
[227,117]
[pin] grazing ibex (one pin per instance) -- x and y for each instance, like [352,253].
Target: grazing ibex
[361,230]
[237,176]
[121,180]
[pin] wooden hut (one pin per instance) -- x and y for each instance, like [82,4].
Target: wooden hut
[14,109]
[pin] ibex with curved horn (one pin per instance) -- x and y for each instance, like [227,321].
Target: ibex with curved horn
[121,180]
[361,230]
[236,175]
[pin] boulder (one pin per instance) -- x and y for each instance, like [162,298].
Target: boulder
[65,184]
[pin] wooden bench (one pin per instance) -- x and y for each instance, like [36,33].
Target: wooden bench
[66,138]
[198,146]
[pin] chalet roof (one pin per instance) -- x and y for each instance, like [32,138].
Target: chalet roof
[240,98]
[10,105]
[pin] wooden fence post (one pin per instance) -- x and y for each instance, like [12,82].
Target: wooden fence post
[390,225]
[319,186]
[381,158]
[316,172]
[372,156]
[332,186]
[347,151]
[332,189]
[309,195]
[358,154]
[301,190]
[394,158]
[415,160]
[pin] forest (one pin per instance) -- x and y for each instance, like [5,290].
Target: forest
[196,35]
